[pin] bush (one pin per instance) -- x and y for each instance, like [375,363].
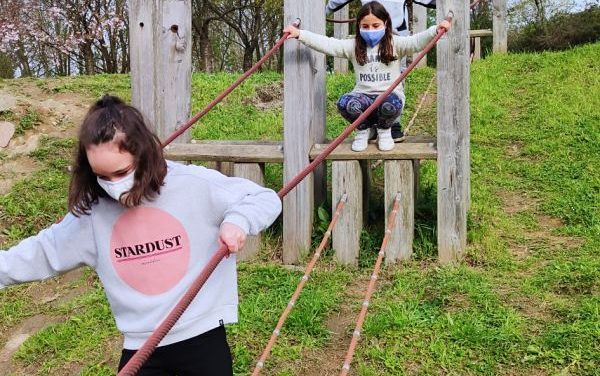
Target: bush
[561,32]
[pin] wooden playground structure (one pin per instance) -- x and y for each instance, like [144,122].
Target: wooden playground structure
[161,88]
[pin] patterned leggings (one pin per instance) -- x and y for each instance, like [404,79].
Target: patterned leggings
[352,105]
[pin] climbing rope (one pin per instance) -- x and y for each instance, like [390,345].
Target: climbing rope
[142,355]
[378,101]
[261,362]
[370,288]
[227,91]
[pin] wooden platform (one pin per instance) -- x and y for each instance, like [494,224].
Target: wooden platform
[414,147]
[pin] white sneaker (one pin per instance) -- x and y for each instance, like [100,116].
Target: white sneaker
[361,140]
[385,141]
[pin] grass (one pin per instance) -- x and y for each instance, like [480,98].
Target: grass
[524,301]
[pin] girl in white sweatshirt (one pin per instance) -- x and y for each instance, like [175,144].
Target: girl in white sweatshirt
[375,53]
[148,227]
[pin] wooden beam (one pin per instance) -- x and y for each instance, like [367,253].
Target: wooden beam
[499,26]
[230,151]
[415,147]
[400,151]
[160,33]
[453,137]
[347,178]
[480,33]
[304,125]
[340,31]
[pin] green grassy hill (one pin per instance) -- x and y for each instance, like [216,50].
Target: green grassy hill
[525,301]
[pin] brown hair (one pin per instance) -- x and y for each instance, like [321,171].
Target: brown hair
[386,46]
[107,118]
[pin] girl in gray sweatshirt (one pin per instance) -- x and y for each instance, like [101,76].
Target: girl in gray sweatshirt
[375,54]
[148,227]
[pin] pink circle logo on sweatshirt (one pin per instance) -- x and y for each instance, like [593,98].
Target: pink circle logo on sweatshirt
[150,250]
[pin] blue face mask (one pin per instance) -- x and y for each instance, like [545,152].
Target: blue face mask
[372,37]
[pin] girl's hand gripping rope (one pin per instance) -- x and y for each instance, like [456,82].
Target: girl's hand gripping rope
[232,237]
[444,26]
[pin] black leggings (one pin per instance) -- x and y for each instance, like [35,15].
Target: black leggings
[206,354]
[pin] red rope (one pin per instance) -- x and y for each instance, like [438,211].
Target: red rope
[371,287]
[142,355]
[263,358]
[339,139]
[227,91]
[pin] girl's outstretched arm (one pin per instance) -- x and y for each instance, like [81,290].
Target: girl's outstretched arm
[415,43]
[329,46]
[59,248]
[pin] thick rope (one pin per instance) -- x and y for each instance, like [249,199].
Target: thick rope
[370,288]
[261,362]
[339,139]
[142,355]
[137,361]
[227,91]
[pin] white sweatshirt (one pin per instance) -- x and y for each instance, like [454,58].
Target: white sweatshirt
[374,77]
[148,256]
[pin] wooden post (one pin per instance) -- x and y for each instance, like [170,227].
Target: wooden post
[347,178]
[399,177]
[419,23]
[340,31]
[477,51]
[304,125]
[161,62]
[500,42]
[254,172]
[453,131]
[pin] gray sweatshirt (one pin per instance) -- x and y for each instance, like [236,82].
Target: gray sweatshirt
[147,257]
[374,77]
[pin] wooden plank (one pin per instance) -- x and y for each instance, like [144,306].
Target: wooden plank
[419,24]
[453,137]
[400,151]
[399,177]
[416,147]
[304,125]
[340,31]
[499,26]
[232,151]
[480,33]
[347,178]
[161,62]
[254,172]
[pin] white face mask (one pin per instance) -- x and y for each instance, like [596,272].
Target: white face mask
[116,188]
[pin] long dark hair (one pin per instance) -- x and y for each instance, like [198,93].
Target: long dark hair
[386,46]
[110,119]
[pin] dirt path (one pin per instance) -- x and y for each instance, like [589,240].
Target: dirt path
[328,361]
